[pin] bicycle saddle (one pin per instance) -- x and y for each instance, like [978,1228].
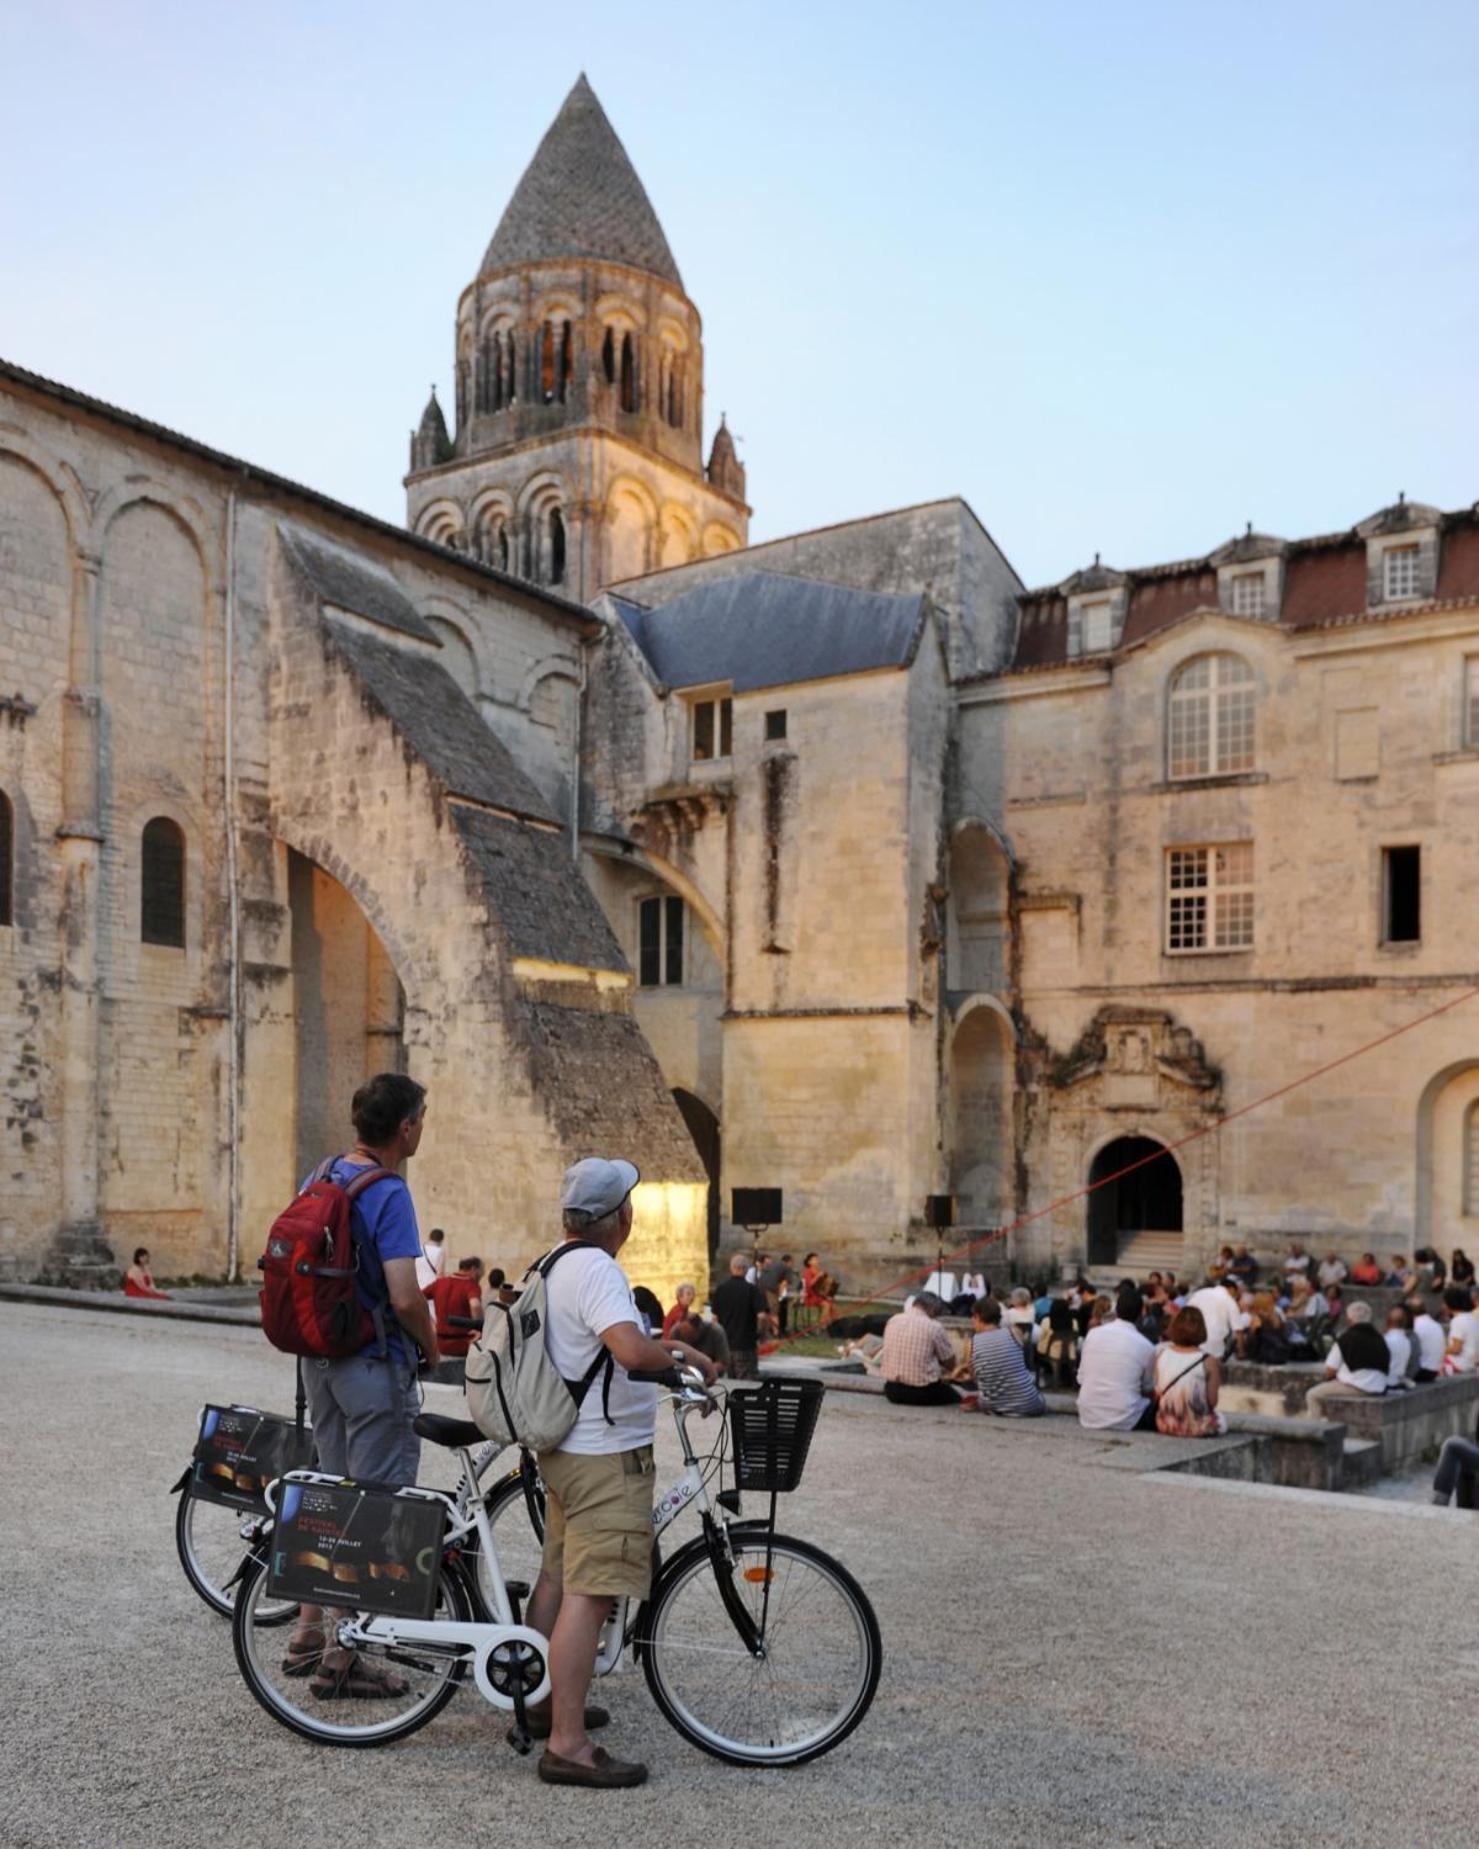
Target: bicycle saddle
[450,1432]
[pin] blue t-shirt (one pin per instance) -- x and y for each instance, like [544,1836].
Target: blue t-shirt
[384,1221]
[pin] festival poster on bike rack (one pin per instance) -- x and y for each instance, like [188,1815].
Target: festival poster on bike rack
[240,1451]
[337,1544]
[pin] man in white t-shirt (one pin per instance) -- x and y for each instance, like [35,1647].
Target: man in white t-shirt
[432,1263]
[1463,1330]
[1222,1311]
[1358,1365]
[1115,1371]
[1333,1270]
[598,1483]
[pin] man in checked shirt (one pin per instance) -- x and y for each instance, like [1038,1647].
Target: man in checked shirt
[914,1346]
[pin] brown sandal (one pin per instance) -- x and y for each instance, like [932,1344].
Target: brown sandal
[356,1680]
[301,1658]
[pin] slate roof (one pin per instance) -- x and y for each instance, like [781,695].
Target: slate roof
[349,581]
[580,197]
[426,705]
[764,630]
[544,906]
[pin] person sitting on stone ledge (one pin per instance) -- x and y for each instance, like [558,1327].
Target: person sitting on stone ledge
[1462,1355]
[1221,1265]
[1432,1342]
[1401,1276]
[1115,1372]
[915,1351]
[1101,1308]
[1018,1318]
[1244,1266]
[1298,1263]
[1304,1301]
[1366,1271]
[138,1280]
[1333,1304]
[1266,1340]
[708,1338]
[682,1305]
[1057,1341]
[1358,1366]
[1221,1305]
[1400,1346]
[1187,1381]
[1458,1469]
[1333,1270]
[1461,1267]
[1004,1383]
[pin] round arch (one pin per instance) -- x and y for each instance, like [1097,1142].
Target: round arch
[323,854]
[1438,1184]
[19,448]
[1151,1199]
[702,1123]
[185,513]
[708,919]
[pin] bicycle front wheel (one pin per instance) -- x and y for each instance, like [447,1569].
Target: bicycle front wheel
[418,1679]
[821,1662]
[212,1541]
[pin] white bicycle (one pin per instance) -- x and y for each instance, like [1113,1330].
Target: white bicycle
[758,1647]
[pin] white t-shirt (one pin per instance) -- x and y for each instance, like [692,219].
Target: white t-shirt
[1114,1375]
[1332,1271]
[1222,1316]
[1431,1341]
[430,1265]
[588,1294]
[1465,1328]
[1399,1347]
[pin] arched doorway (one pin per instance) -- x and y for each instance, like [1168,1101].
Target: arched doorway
[1139,1216]
[703,1127]
[981,1144]
[348,1008]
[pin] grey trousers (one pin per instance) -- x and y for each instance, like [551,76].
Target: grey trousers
[362,1408]
[1458,1465]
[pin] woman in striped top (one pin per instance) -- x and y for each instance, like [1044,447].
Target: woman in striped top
[1003,1380]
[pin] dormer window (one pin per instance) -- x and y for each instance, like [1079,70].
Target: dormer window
[1098,626]
[712,725]
[1098,601]
[1248,591]
[1401,572]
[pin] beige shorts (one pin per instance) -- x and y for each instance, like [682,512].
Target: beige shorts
[598,1521]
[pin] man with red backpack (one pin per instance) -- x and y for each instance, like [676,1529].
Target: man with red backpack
[362,1404]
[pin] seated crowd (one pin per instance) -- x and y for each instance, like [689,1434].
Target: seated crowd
[1151,1357]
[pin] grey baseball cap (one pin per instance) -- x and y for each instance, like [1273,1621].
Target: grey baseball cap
[597,1186]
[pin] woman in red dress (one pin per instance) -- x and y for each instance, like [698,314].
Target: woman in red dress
[138,1280]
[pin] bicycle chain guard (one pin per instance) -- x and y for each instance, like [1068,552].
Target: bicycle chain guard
[505,1663]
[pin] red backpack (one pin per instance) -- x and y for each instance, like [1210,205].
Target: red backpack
[310,1296]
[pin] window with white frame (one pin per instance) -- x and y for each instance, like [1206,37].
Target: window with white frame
[1210,718]
[1098,626]
[1209,898]
[1248,593]
[712,729]
[1400,573]
[660,943]
[1471,702]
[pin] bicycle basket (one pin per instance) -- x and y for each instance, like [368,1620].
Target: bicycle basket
[772,1427]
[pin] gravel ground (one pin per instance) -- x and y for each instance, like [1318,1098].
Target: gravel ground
[1076,1651]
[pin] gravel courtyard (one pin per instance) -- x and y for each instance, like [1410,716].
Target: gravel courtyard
[1077,1650]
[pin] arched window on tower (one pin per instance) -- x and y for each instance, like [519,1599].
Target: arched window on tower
[567,359]
[628,373]
[608,356]
[556,546]
[548,364]
[162,884]
[7,861]
[673,397]
[510,372]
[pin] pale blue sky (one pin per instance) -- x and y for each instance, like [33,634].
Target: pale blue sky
[1123,275]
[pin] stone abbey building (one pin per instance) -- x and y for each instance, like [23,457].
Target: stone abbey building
[842,864]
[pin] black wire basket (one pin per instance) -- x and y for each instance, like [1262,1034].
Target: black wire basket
[772,1427]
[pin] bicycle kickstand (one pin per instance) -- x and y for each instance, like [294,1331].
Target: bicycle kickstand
[519,1734]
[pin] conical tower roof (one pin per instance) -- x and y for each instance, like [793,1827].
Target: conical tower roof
[580,197]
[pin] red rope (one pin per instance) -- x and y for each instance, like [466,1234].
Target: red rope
[912,1278]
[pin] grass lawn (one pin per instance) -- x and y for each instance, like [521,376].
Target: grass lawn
[817,1341]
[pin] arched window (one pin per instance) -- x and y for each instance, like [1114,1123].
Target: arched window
[628,373]
[7,861]
[493,540]
[1209,719]
[1471,1158]
[548,364]
[505,374]
[608,356]
[162,885]
[556,546]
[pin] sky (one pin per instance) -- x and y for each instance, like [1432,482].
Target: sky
[1124,275]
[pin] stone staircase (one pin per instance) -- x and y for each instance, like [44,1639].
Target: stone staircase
[1142,1253]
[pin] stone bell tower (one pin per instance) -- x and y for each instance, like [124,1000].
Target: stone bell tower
[577,459]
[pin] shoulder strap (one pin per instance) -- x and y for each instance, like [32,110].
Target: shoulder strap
[355,1188]
[603,1357]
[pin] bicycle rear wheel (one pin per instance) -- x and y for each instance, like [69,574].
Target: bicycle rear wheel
[821,1663]
[212,1541]
[284,1685]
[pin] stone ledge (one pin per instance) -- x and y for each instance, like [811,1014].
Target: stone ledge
[117,1304]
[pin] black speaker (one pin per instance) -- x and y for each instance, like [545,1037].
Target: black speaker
[756,1206]
[939,1210]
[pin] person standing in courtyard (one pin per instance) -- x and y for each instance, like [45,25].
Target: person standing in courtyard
[363,1405]
[739,1308]
[916,1353]
[1222,1311]
[431,1260]
[1115,1372]
[598,1481]
[461,1296]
